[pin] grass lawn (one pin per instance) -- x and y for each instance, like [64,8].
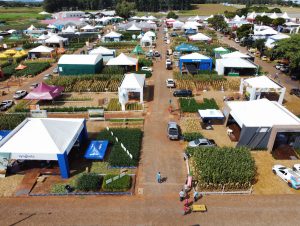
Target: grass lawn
[206,10]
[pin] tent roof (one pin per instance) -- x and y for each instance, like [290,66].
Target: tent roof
[44,92]
[133,81]
[150,34]
[102,50]
[269,31]
[138,50]
[88,27]
[112,34]
[133,28]
[285,16]
[236,63]
[220,49]
[31,28]
[44,13]
[194,56]
[41,49]
[123,60]
[274,16]
[211,113]
[279,36]
[262,82]
[260,113]
[80,59]
[69,29]
[235,54]
[55,39]
[146,38]
[43,37]
[291,24]
[42,137]
[199,37]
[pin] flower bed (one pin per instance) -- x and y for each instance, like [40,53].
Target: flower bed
[131,139]
[190,104]
[121,184]
[216,167]
[190,125]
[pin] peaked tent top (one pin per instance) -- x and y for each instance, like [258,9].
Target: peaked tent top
[133,28]
[194,56]
[102,50]
[41,49]
[123,60]
[133,81]
[235,54]
[112,34]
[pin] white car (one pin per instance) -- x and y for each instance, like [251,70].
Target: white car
[296,168]
[33,85]
[170,83]
[288,175]
[237,40]
[47,76]
[20,94]
[147,69]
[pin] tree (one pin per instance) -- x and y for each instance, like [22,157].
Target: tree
[171,14]
[289,49]
[244,31]
[218,22]
[265,20]
[278,21]
[125,9]
[259,44]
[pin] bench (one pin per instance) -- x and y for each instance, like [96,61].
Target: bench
[199,208]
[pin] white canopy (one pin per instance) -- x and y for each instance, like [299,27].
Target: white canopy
[177,24]
[251,16]
[135,18]
[133,28]
[220,49]
[44,13]
[211,16]
[263,14]
[69,30]
[150,34]
[150,22]
[79,59]
[112,34]
[133,82]
[43,37]
[152,18]
[211,113]
[194,56]
[285,16]
[291,24]
[42,138]
[261,113]
[51,26]
[261,82]
[102,50]
[235,54]
[123,60]
[274,16]
[235,63]
[88,27]
[236,18]
[269,31]
[56,39]
[31,28]
[146,39]
[199,37]
[41,49]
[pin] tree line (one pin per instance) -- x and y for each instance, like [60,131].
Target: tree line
[140,5]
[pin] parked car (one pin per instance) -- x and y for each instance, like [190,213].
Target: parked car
[6,104]
[47,76]
[55,70]
[288,175]
[168,64]
[165,38]
[20,94]
[264,58]
[174,34]
[182,93]
[173,131]
[295,91]
[202,142]
[156,54]
[296,168]
[278,66]
[237,40]
[252,50]
[33,85]
[285,69]
[147,69]
[170,83]
[294,77]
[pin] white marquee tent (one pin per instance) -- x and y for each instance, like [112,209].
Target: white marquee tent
[133,28]
[123,60]
[233,63]
[146,41]
[235,54]
[199,37]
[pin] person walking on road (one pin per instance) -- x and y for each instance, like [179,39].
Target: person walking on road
[182,195]
[158,177]
[196,196]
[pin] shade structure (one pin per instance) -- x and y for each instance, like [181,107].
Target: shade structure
[146,41]
[43,37]
[102,50]
[269,31]
[20,67]
[44,92]
[285,16]
[199,37]
[88,28]
[96,149]
[55,39]
[123,60]
[41,49]
[44,139]
[186,48]
[150,34]
[69,30]
[274,16]
[235,54]
[221,50]
[31,28]
[211,114]
[112,35]
[202,62]
[51,26]
[138,50]
[134,28]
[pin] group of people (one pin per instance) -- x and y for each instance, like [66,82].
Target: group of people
[184,196]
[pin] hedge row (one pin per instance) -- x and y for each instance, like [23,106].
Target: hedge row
[122,184]
[191,105]
[119,45]
[131,139]
[58,109]
[192,136]
[214,165]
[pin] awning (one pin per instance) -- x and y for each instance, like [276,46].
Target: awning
[4,133]
[211,114]
[96,149]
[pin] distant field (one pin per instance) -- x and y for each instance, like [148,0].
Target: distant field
[206,10]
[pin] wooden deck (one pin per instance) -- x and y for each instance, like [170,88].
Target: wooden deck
[28,182]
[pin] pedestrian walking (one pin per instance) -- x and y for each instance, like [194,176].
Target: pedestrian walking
[186,202]
[186,209]
[182,195]
[196,196]
[158,177]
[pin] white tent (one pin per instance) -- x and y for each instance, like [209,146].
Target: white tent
[42,138]
[150,22]
[69,30]
[55,39]
[199,37]
[41,49]
[44,13]
[135,18]
[237,18]
[257,85]
[150,34]
[235,54]
[285,16]
[88,28]
[211,16]
[146,41]
[270,43]
[263,14]
[144,18]
[31,28]
[123,60]
[133,28]
[265,32]
[177,25]
[102,50]
[51,26]
[194,56]
[43,37]
[134,83]
[113,36]
[251,16]
[232,63]
[274,16]
[152,18]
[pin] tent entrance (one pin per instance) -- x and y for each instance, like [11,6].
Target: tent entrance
[233,129]
[239,71]
[286,145]
[191,68]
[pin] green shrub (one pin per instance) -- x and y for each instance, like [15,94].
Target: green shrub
[119,45]
[131,139]
[223,165]
[9,70]
[88,182]
[191,105]
[9,122]
[33,68]
[58,189]
[191,136]
[122,184]
[127,35]
[147,73]
[30,45]
[143,62]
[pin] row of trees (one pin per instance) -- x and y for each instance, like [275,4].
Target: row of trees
[140,5]
[20,4]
